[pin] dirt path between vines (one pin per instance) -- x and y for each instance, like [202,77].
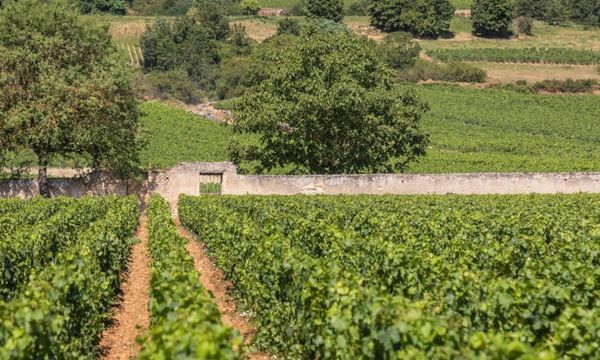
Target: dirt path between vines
[131,317]
[214,281]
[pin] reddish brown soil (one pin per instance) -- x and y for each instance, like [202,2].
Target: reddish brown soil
[214,281]
[131,317]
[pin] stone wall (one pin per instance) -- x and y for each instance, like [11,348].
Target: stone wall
[186,179]
[78,185]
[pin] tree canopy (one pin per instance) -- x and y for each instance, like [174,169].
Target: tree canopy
[326,9]
[430,18]
[328,105]
[64,91]
[492,18]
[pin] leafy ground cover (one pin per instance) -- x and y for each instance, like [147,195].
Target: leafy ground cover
[74,276]
[185,322]
[436,277]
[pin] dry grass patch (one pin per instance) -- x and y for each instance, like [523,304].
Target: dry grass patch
[510,73]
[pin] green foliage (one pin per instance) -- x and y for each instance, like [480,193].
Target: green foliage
[239,40]
[536,9]
[429,18]
[425,277]
[117,7]
[326,9]
[568,86]
[358,8]
[184,44]
[399,51]
[585,11]
[76,102]
[250,7]
[288,26]
[213,15]
[451,72]
[327,106]
[32,241]
[185,323]
[492,18]
[166,85]
[524,25]
[63,310]
[557,12]
[181,7]
[522,55]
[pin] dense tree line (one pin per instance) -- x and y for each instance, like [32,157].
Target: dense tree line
[559,11]
[429,18]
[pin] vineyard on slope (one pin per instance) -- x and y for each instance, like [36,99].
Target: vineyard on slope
[433,277]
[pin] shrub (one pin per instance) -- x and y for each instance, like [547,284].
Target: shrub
[249,7]
[358,8]
[298,9]
[288,26]
[552,86]
[491,18]
[211,15]
[452,72]
[327,9]
[239,40]
[557,12]
[429,18]
[525,25]
[399,50]
[173,84]
[117,7]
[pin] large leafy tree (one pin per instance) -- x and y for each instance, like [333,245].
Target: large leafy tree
[327,9]
[430,18]
[328,106]
[64,90]
[117,7]
[492,18]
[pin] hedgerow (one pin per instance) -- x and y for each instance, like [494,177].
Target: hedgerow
[64,307]
[502,277]
[185,323]
[525,55]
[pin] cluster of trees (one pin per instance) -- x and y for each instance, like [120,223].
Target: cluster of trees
[559,11]
[429,18]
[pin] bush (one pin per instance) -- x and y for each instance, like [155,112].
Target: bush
[491,18]
[183,44]
[557,12]
[288,26]
[211,15]
[165,85]
[297,9]
[327,9]
[239,40]
[399,51]
[249,7]
[430,18]
[525,25]
[452,72]
[358,8]
[117,7]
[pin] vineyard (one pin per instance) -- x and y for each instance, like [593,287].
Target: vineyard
[525,55]
[497,277]
[61,262]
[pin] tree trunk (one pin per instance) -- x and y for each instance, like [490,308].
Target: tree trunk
[43,177]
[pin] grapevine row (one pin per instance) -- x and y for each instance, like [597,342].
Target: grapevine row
[515,55]
[185,323]
[64,306]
